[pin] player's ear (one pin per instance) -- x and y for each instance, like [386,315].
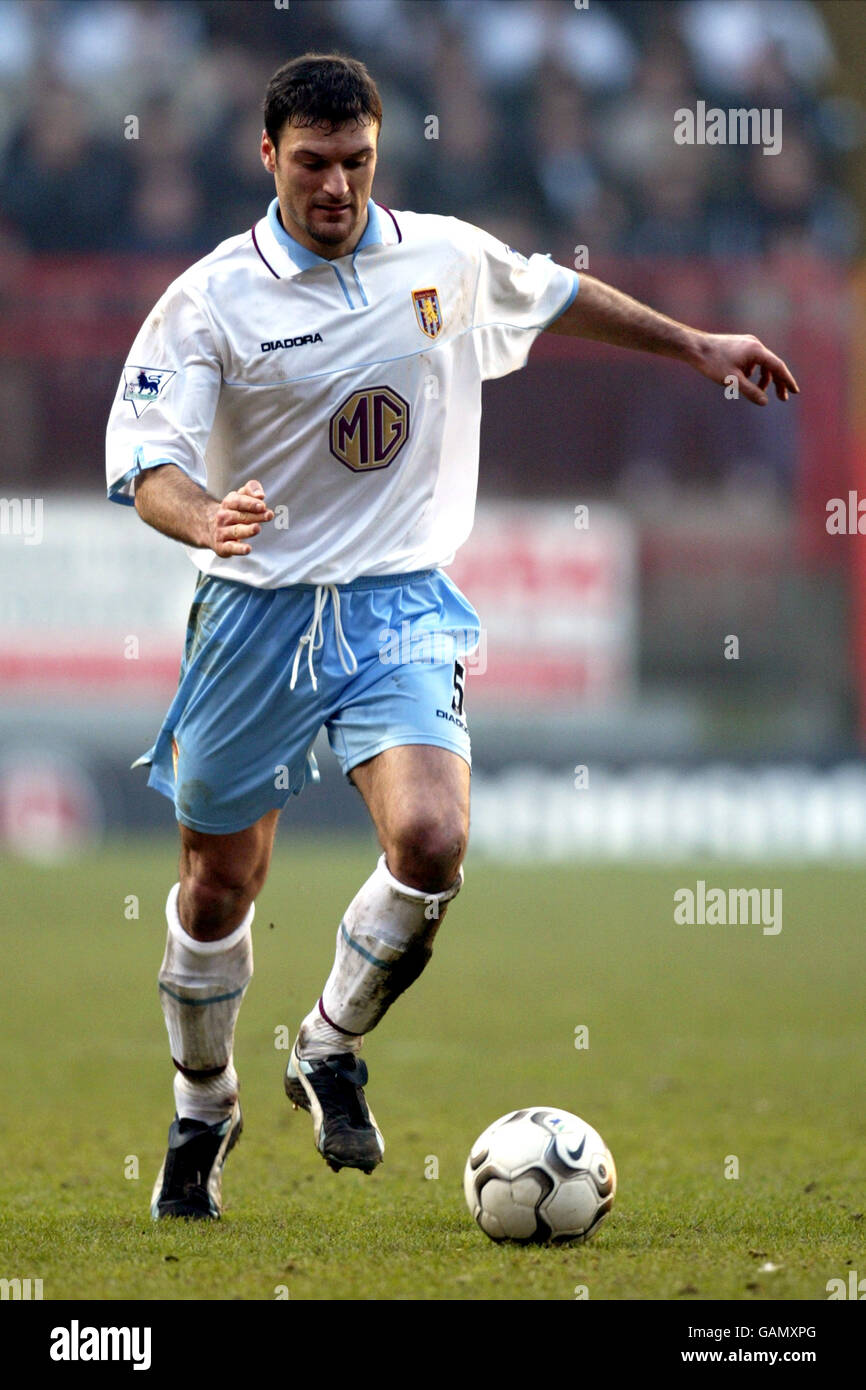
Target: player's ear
[269,153]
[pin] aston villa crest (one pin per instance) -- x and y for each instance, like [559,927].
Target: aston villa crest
[428,312]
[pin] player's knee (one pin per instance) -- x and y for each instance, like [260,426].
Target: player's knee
[427,851]
[213,896]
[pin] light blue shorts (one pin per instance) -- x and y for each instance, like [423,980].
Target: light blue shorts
[237,740]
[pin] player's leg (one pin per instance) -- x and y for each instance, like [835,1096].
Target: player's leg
[207,966]
[221,876]
[208,960]
[231,750]
[398,726]
[418,798]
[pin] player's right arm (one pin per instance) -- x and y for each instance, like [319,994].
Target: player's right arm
[169,501]
[160,425]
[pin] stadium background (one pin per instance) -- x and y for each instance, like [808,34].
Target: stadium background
[608,631]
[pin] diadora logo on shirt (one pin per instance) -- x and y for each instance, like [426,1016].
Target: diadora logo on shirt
[300,341]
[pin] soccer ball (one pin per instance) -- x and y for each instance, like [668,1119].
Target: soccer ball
[539,1175]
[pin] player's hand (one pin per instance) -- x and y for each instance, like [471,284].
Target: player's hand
[723,355]
[238,518]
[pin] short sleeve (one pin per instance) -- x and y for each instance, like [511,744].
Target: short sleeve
[516,298]
[166,400]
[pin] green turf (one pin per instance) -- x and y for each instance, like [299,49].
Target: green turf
[704,1042]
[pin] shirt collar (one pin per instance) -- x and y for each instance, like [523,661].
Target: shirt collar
[305,258]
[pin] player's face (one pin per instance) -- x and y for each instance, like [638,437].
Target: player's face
[323,183]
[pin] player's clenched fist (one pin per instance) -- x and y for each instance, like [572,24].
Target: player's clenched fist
[238,518]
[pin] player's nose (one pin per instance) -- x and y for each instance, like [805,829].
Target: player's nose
[336,185]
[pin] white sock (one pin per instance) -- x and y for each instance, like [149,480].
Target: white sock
[383,943]
[202,985]
[209,1100]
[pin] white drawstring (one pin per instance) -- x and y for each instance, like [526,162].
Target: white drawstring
[314,637]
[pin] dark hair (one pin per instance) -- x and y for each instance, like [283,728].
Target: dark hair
[325,89]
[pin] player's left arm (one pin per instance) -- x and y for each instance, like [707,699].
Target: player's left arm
[600,312]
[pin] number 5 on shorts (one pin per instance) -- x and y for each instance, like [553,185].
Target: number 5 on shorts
[459,691]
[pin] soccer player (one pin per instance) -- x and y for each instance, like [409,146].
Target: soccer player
[301,410]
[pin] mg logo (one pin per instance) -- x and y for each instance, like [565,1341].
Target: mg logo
[369,429]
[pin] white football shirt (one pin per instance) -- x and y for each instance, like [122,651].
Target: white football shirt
[351,389]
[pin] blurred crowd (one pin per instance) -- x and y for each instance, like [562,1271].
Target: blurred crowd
[554,123]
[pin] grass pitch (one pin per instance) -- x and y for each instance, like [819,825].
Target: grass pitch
[705,1045]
